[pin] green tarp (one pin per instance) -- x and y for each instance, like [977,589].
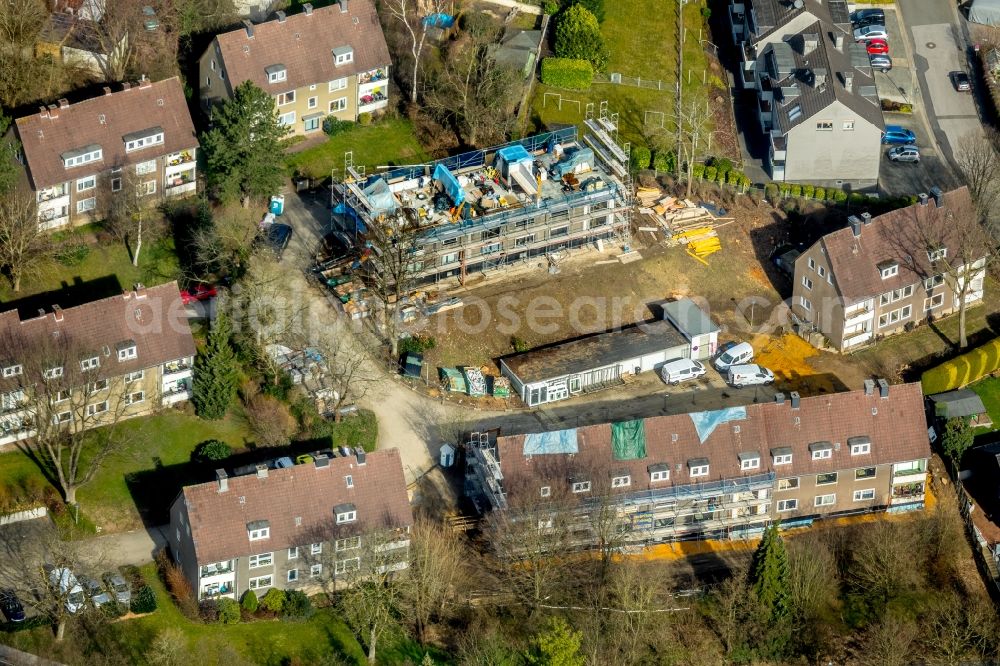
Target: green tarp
[628,440]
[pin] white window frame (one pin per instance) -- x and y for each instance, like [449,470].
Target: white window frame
[131,399]
[63,395]
[349,480]
[933,281]
[940,253]
[337,84]
[260,582]
[338,105]
[128,353]
[287,119]
[261,560]
[865,478]
[806,282]
[347,543]
[97,386]
[86,158]
[792,483]
[340,566]
[825,500]
[62,417]
[312,102]
[848,126]
[581,486]
[316,548]
[344,58]
[824,125]
[147,167]
[347,517]
[621,481]
[859,495]
[293,553]
[97,408]
[890,271]
[285,98]
[698,470]
[821,270]
[836,479]
[861,449]
[278,76]
[146,188]
[311,124]
[86,183]
[53,373]
[116,184]
[750,463]
[930,304]
[259,534]
[822,454]
[545,491]
[787,505]
[315,570]
[662,475]
[292,576]
[812,263]
[134,376]
[783,459]
[145,142]
[805,303]
[86,205]
[13,370]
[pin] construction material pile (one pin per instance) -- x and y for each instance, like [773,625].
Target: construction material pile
[701,242]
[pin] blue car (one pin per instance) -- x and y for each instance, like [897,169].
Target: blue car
[897,134]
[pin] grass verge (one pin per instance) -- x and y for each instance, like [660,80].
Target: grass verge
[387,142]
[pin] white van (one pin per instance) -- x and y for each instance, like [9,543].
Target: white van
[749,375]
[681,369]
[736,355]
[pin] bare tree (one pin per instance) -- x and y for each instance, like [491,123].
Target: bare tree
[127,200]
[882,560]
[412,15]
[694,120]
[979,161]
[391,269]
[889,642]
[117,34]
[20,22]
[226,244]
[430,585]
[23,245]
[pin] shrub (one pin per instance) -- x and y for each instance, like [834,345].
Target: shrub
[271,422]
[771,192]
[595,7]
[297,604]
[250,602]
[212,450]
[113,609]
[665,161]
[144,600]
[208,610]
[72,254]
[273,601]
[551,7]
[963,369]
[808,191]
[820,194]
[178,585]
[334,126]
[519,344]
[417,344]
[710,172]
[229,611]
[571,73]
[795,190]
[578,35]
[706,12]
[722,164]
[698,171]
[840,196]
[721,176]
[785,189]
[640,157]
[365,118]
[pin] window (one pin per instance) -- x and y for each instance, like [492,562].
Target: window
[349,481]
[135,398]
[895,316]
[699,470]
[581,486]
[889,271]
[338,105]
[116,184]
[343,55]
[262,560]
[805,303]
[146,188]
[848,126]
[88,183]
[662,475]
[821,271]
[824,126]
[934,281]
[63,417]
[783,459]
[99,385]
[277,75]
[524,240]
[788,505]
[347,516]
[93,154]
[293,575]
[127,353]
[826,479]
[338,84]
[256,534]
[935,301]
[13,371]
[864,473]
[822,454]
[86,205]
[350,543]
[98,408]
[545,523]
[492,248]
[621,481]
[861,448]
[750,463]
[311,124]
[864,495]
[90,363]
[53,373]
[287,118]
[261,582]
[286,98]
[812,263]
[62,396]
[133,376]
[143,142]
[312,102]
[315,570]
[940,253]
[545,491]
[315,548]
[293,553]
[143,168]
[825,500]
[806,282]
[559,232]
[343,566]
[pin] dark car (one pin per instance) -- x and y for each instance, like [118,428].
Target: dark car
[898,135]
[277,237]
[961,81]
[11,606]
[870,16]
[784,258]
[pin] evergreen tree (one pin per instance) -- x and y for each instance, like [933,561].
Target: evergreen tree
[579,36]
[216,372]
[770,585]
[559,645]
[957,439]
[244,147]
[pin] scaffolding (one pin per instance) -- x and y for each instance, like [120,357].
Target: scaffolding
[603,140]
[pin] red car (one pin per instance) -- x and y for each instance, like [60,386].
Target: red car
[877,46]
[198,292]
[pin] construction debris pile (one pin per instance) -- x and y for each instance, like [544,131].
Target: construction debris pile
[684,222]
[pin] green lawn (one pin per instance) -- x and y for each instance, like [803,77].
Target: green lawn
[387,142]
[989,390]
[323,638]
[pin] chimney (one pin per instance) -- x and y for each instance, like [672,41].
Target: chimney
[248,26]
[794,395]
[343,6]
[126,85]
[57,313]
[849,81]
[809,42]
[43,112]
[307,9]
[360,453]
[869,386]
[144,82]
[261,471]
[63,103]
[779,398]
[41,312]
[819,76]
[281,16]
[107,90]
[937,195]
[322,461]
[53,111]
[223,479]
[855,223]
[923,198]
[883,388]
[139,289]
[345,451]
[866,218]
[838,40]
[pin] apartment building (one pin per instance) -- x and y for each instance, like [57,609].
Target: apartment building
[78,155]
[718,474]
[878,277]
[86,366]
[303,527]
[330,61]
[816,99]
[487,209]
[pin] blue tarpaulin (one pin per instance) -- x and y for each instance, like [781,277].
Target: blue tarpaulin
[341,209]
[557,441]
[450,183]
[439,20]
[574,162]
[514,154]
[380,197]
[706,422]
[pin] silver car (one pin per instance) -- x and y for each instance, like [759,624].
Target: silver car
[904,154]
[117,585]
[98,595]
[871,32]
[881,62]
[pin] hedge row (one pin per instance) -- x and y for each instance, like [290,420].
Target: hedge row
[962,370]
[567,73]
[714,174]
[784,190]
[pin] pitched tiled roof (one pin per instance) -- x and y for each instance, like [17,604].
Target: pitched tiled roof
[895,426]
[153,317]
[894,236]
[103,121]
[303,494]
[304,45]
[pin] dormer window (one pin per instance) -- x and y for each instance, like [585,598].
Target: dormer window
[259,529]
[90,363]
[127,350]
[658,472]
[13,370]
[346,513]
[545,491]
[580,485]
[821,450]
[859,445]
[888,269]
[698,467]
[935,255]
[143,139]
[53,373]
[750,460]
[85,155]
[782,455]
[621,480]
[276,73]
[343,55]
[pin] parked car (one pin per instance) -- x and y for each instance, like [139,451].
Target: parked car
[961,81]
[881,63]
[95,591]
[740,353]
[11,606]
[784,258]
[119,587]
[749,375]
[877,47]
[870,32]
[863,16]
[898,134]
[198,292]
[67,586]
[283,462]
[904,154]
[680,370]
[277,237]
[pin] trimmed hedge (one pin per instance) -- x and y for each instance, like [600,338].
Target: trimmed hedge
[569,73]
[962,370]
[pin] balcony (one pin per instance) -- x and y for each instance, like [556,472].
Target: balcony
[373,77]
[176,395]
[183,157]
[176,370]
[866,313]
[180,183]
[376,99]
[52,193]
[858,339]
[217,569]
[907,493]
[181,188]
[908,476]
